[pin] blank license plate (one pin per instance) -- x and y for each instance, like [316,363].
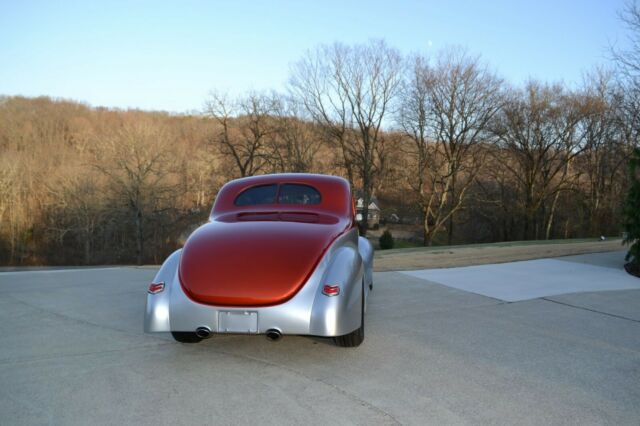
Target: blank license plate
[237,322]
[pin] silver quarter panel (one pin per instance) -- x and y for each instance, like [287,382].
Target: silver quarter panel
[156,317]
[309,312]
[366,252]
[339,315]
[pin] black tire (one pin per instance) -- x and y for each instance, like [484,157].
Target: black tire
[185,337]
[356,337]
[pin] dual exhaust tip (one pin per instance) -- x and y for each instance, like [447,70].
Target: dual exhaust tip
[205,332]
[273,334]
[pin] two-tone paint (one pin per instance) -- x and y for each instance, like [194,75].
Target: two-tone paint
[239,262]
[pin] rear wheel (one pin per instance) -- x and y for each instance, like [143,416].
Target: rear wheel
[356,337]
[185,337]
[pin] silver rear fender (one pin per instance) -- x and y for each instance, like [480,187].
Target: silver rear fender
[366,252]
[156,318]
[339,315]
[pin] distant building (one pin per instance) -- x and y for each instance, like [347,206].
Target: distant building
[374,211]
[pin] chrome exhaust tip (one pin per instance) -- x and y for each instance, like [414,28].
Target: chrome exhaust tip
[273,334]
[203,332]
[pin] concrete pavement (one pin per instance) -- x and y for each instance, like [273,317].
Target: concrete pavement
[532,279]
[72,351]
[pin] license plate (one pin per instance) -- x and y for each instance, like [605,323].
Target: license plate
[237,322]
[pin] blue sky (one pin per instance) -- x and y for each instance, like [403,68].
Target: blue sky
[169,55]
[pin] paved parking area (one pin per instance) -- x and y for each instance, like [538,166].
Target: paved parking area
[72,351]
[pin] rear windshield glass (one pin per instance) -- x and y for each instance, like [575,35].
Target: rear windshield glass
[264,194]
[291,193]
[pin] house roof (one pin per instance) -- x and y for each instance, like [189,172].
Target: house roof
[372,205]
[358,195]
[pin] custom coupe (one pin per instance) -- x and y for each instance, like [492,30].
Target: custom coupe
[280,254]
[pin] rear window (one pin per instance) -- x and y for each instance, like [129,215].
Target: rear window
[264,194]
[291,193]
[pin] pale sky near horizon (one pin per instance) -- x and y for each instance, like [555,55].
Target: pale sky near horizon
[168,55]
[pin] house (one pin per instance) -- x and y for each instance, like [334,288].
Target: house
[374,211]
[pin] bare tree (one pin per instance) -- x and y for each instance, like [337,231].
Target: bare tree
[494,199]
[605,153]
[540,127]
[135,158]
[246,126]
[628,64]
[77,198]
[8,182]
[348,90]
[297,142]
[444,112]
[10,202]
[629,59]
[313,87]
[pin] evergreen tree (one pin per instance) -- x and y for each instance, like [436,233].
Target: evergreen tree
[386,240]
[632,213]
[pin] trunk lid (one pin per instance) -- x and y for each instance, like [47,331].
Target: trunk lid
[253,263]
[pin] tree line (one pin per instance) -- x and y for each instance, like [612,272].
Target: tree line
[442,141]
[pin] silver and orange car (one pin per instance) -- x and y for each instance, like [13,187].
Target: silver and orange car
[280,254]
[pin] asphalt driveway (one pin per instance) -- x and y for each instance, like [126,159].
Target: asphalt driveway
[72,351]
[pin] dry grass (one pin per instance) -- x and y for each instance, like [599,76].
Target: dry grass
[480,254]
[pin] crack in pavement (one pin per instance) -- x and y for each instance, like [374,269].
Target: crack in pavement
[68,318]
[25,360]
[293,371]
[337,388]
[590,310]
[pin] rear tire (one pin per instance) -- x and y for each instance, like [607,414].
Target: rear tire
[185,337]
[356,337]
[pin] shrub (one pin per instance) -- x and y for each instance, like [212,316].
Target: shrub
[386,240]
[632,213]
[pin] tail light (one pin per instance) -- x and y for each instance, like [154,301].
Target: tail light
[155,288]
[331,290]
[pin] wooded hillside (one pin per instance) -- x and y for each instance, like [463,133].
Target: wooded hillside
[443,142]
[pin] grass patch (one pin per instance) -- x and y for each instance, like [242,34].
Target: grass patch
[408,246]
[405,244]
